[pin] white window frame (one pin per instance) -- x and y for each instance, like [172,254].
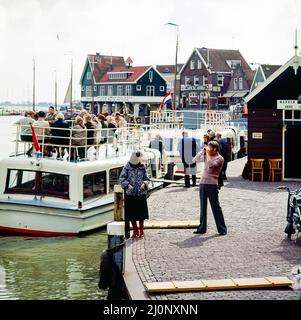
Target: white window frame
[102,91]
[88,91]
[205,80]
[150,91]
[187,79]
[240,83]
[162,88]
[110,90]
[196,81]
[138,87]
[151,76]
[128,90]
[235,84]
[89,75]
[220,80]
[119,90]
[192,64]
[199,64]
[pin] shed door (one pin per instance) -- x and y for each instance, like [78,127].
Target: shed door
[292,149]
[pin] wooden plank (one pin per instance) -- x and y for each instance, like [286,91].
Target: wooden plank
[219,284]
[194,285]
[280,281]
[159,286]
[156,224]
[252,282]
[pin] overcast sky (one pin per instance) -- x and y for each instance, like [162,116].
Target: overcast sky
[263,31]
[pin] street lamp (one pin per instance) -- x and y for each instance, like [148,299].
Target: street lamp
[176,63]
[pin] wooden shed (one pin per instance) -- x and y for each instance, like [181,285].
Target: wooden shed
[274,119]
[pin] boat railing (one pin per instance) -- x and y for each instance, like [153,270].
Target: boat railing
[75,144]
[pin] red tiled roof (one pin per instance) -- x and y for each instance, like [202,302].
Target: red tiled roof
[102,64]
[136,73]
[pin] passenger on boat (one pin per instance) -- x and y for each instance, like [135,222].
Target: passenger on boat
[90,129]
[41,127]
[79,136]
[25,131]
[111,125]
[60,134]
[134,181]
[120,121]
[102,120]
[51,115]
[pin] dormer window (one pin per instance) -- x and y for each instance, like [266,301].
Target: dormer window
[119,75]
[233,64]
[151,76]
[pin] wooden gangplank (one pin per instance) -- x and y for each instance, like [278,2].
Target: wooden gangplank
[218,284]
[171,224]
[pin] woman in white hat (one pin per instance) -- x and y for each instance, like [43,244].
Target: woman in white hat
[134,181]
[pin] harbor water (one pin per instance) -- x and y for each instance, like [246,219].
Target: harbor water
[58,268]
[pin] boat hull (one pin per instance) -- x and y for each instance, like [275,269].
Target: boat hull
[48,221]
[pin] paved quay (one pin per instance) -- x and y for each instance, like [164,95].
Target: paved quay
[255,246]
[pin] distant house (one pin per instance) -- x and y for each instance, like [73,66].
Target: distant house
[262,73]
[274,118]
[168,73]
[213,78]
[118,86]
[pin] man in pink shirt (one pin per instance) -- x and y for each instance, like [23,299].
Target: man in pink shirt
[209,187]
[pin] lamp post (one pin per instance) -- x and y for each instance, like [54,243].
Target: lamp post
[176,63]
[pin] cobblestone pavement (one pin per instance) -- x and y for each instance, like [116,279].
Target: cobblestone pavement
[255,246]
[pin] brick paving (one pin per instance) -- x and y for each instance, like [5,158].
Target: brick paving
[255,246]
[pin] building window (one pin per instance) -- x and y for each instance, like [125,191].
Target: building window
[193,98]
[95,88]
[88,75]
[94,185]
[220,80]
[119,90]
[199,64]
[151,76]
[110,90]
[83,88]
[196,80]
[191,64]
[150,91]
[240,84]
[128,90]
[187,81]
[205,80]
[235,84]
[88,91]
[102,91]
[162,88]
[138,87]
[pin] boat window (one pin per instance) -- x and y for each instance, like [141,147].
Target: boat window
[54,184]
[94,184]
[37,183]
[114,178]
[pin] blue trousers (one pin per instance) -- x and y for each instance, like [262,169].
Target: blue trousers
[210,191]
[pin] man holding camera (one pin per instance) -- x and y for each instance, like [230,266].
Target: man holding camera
[209,187]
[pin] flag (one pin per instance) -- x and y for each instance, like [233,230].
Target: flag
[166,100]
[34,139]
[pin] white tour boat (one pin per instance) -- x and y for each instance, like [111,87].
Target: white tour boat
[50,196]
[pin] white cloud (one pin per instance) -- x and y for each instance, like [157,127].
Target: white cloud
[262,30]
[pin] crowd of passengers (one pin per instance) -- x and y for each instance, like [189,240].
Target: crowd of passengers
[52,129]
